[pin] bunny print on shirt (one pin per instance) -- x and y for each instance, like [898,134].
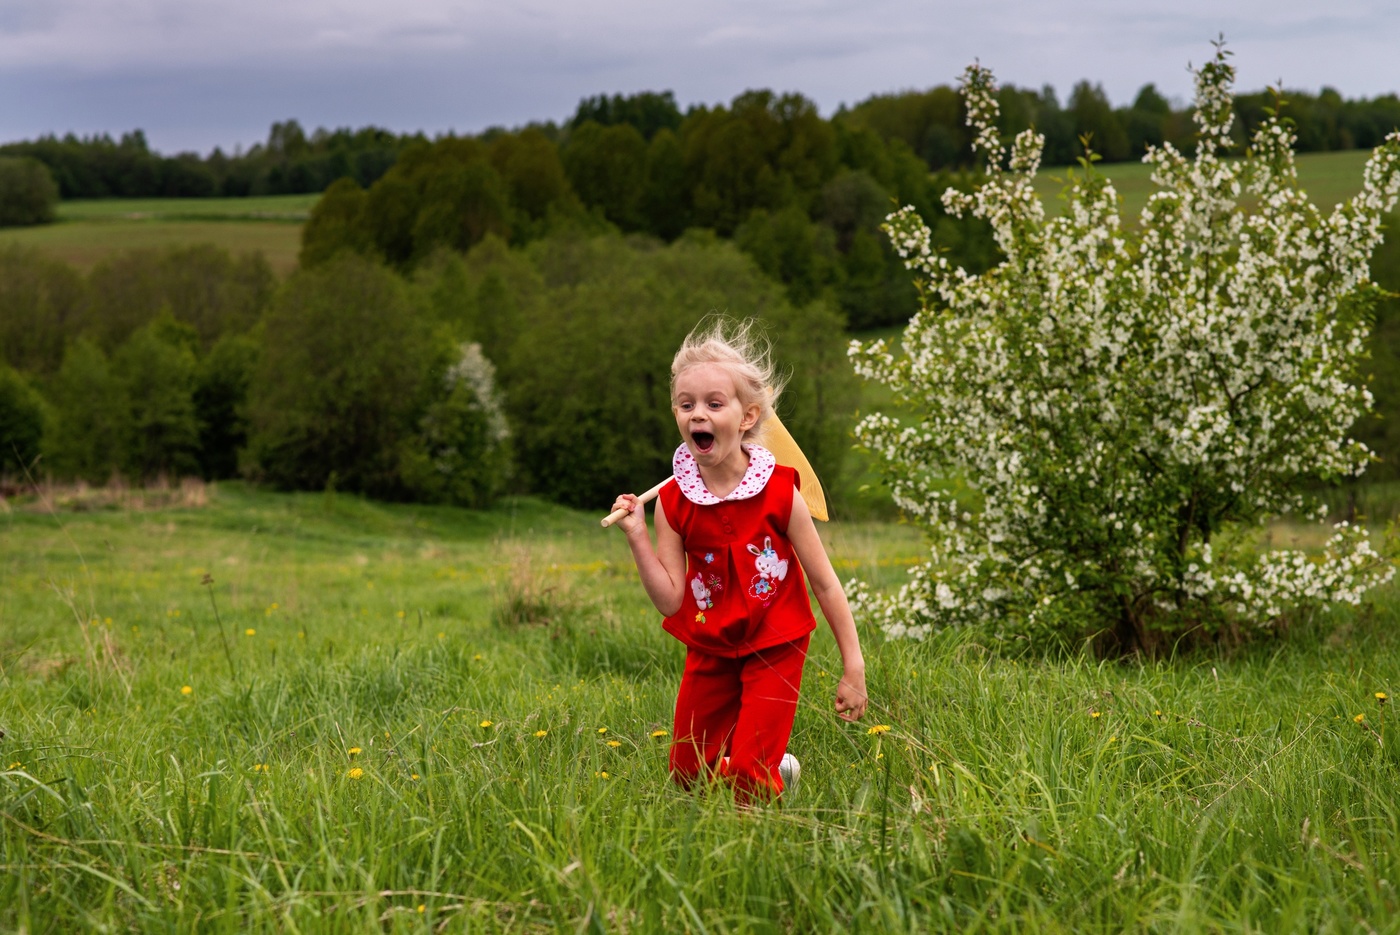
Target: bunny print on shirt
[771,570]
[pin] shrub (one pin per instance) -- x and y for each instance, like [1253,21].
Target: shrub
[203,286]
[347,364]
[1105,417]
[461,454]
[42,303]
[220,403]
[21,424]
[28,193]
[91,429]
[157,369]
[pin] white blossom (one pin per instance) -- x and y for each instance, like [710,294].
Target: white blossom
[1103,417]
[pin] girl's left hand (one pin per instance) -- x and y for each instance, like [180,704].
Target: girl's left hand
[850,696]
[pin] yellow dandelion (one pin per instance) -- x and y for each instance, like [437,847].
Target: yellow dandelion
[602,730]
[421,908]
[614,743]
[660,733]
[250,632]
[879,729]
[356,773]
[1382,697]
[1112,739]
[485,723]
[413,776]
[602,775]
[1156,713]
[186,690]
[1360,719]
[477,658]
[106,621]
[354,750]
[541,733]
[1094,714]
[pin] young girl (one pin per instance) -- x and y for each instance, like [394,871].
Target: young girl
[733,538]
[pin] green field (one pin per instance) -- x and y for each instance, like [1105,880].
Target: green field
[502,676]
[88,231]
[1327,178]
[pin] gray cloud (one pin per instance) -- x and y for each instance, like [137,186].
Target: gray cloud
[196,73]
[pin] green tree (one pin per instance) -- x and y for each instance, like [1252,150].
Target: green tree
[608,169]
[90,433]
[765,151]
[665,207]
[157,371]
[389,214]
[529,164]
[202,286]
[588,380]
[461,204]
[1095,118]
[220,403]
[22,419]
[347,362]
[42,306]
[28,193]
[793,250]
[337,222]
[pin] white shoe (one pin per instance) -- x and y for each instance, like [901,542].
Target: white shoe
[789,769]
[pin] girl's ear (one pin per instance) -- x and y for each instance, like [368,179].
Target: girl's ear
[750,419]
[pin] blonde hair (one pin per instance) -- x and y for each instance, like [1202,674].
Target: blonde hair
[740,348]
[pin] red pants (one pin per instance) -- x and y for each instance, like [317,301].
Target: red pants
[741,708]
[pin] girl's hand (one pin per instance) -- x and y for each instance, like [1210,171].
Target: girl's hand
[850,695]
[633,520]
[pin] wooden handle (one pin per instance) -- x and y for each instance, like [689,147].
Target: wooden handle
[642,498]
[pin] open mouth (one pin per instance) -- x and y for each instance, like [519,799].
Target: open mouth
[704,441]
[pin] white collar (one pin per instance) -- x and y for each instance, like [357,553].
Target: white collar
[760,469]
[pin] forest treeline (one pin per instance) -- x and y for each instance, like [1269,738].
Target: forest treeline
[540,368]
[930,123]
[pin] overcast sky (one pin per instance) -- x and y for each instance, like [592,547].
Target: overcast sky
[199,73]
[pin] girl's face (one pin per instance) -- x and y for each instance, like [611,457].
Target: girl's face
[710,415]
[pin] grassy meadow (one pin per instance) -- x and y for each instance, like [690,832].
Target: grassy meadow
[407,719]
[1328,178]
[88,231]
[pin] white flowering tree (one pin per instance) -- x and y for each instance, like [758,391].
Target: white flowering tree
[1105,419]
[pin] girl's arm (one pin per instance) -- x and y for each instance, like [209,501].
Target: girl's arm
[662,570]
[802,533]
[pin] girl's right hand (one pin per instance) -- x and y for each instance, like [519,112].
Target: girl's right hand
[633,520]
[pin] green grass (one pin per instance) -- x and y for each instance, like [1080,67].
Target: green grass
[1327,178]
[288,208]
[998,801]
[89,231]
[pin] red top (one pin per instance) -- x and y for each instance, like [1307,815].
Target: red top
[744,587]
